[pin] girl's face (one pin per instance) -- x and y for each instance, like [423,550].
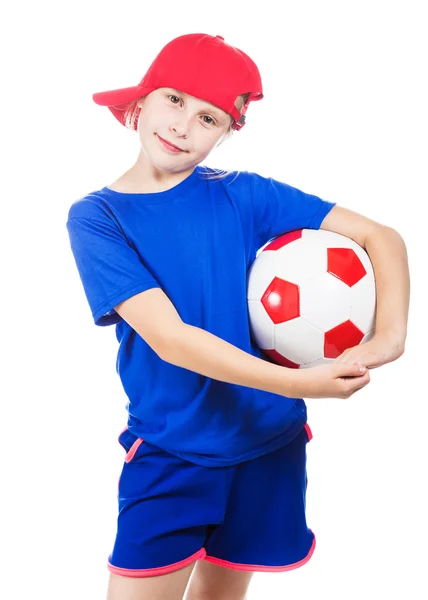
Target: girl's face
[192,124]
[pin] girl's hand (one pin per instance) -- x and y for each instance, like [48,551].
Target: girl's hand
[381,349]
[332,380]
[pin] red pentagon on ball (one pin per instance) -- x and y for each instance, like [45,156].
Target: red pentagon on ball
[284,239]
[344,264]
[281,300]
[338,339]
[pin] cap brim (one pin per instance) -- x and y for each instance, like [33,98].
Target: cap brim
[121,96]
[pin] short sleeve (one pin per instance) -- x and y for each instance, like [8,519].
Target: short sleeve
[110,269]
[279,208]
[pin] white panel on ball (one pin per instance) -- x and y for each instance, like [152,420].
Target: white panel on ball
[262,327]
[329,239]
[295,263]
[299,341]
[260,275]
[329,310]
[363,303]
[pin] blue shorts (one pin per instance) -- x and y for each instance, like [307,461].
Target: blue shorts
[249,516]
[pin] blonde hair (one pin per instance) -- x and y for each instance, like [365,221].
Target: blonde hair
[132,113]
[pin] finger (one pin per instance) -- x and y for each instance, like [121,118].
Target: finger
[353,358]
[354,368]
[350,371]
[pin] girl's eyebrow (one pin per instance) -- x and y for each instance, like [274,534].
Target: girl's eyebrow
[208,108]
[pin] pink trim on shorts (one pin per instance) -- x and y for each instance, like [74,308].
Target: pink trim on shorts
[130,455]
[200,554]
[133,449]
[309,432]
[239,567]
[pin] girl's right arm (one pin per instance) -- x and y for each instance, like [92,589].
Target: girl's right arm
[153,316]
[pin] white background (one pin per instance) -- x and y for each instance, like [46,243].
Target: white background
[344,117]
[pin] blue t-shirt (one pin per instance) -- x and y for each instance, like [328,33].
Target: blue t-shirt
[195,241]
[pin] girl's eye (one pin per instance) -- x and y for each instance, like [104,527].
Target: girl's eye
[171,96]
[211,121]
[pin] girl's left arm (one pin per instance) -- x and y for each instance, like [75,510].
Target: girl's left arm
[388,255]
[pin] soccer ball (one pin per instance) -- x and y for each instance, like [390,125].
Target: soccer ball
[311,295]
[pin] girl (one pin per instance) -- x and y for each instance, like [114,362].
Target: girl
[215,467]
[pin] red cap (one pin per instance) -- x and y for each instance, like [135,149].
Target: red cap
[198,64]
